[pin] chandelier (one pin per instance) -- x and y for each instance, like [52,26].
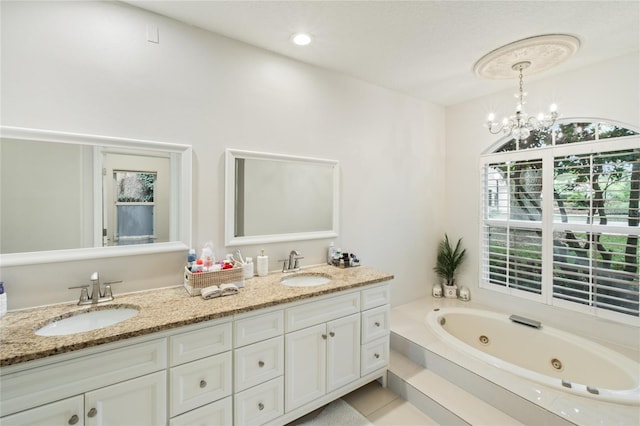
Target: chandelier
[534,54]
[520,124]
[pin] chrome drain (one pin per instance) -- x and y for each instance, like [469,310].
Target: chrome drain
[483,340]
[555,363]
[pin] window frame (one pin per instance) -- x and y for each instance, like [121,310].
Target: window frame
[547,155]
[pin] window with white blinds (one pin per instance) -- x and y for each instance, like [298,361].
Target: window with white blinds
[561,222]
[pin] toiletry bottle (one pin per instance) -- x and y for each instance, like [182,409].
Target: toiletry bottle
[331,252]
[263,264]
[3,300]
[248,267]
[191,258]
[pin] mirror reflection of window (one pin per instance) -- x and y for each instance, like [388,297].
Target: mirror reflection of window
[135,207]
[136,199]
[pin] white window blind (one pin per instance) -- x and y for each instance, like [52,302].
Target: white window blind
[596,230]
[561,224]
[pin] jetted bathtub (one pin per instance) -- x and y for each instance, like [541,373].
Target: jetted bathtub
[546,355]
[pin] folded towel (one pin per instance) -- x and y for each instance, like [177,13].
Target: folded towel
[210,292]
[228,289]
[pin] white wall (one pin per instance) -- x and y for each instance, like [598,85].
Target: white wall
[608,90]
[87,67]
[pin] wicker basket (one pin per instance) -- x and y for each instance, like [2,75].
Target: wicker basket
[195,282]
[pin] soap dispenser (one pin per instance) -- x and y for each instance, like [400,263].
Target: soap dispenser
[263,264]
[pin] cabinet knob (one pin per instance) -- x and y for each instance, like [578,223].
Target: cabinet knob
[92,412]
[74,419]
[203,383]
[324,337]
[260,364]
[260,406]
[377,324]
[376,355]
[332,334]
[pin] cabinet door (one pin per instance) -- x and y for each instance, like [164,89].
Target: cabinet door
[66,412]
[140,401]
[305,365]
[343,351]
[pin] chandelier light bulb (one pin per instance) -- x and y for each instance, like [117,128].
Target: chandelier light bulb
[491,117]
[553,108]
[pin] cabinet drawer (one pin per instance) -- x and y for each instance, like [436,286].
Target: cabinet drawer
[68,411]
[375,355]
[200,382]
[219,413]
[375,323]
[200,343]
[308,314]
[257,363]
[259,404]
[24,389]
[257,328]
[374,297]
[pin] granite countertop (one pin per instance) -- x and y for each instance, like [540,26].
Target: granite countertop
[163,309]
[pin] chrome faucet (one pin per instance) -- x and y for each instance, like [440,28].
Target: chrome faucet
[97,296]
[291,264]
[95,287]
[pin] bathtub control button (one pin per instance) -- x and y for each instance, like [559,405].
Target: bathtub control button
[566,384]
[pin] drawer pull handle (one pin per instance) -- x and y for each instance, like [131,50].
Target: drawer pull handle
[203,384]
[377,324]
[260,364]
[92,412]
[74,419]
[324,337]
[376,355]
[332,334]
[260,406]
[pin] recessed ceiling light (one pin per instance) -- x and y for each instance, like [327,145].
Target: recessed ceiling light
[301,39]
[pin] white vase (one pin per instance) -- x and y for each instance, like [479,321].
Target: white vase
[450,291]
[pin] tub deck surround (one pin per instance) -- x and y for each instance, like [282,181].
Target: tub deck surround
[409,323]
[164,309]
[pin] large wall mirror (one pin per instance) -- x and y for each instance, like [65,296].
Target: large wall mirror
[67,196]
[273,198]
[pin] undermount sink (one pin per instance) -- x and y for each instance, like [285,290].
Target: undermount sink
[87,321]
[305,280]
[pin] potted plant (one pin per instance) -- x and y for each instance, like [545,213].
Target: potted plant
[448,261]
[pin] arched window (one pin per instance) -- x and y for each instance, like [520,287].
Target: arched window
[561,218]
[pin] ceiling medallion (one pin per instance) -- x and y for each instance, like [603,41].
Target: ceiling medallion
[535,54]
[544,52]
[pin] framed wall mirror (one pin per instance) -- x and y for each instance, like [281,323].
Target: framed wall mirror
[274,198]
[66,196]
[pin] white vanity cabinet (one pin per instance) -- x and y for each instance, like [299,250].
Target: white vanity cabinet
[258,367]
[375,329]
[117,386]
[266,366]
[200,379]
[322,348]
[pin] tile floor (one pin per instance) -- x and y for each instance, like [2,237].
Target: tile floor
[381,407]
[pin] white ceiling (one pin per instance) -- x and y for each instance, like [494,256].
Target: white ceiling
[426,49]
